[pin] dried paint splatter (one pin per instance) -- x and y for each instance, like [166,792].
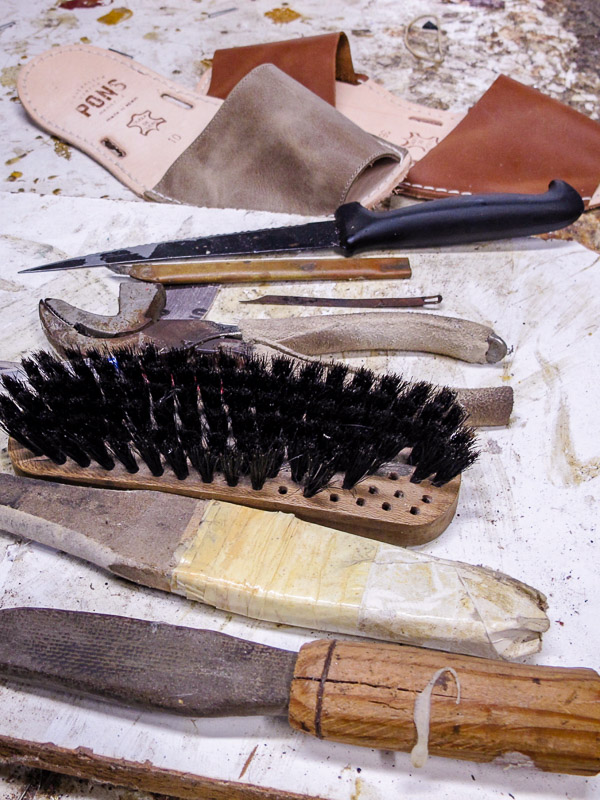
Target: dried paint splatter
[52,19]
[15,159]
[115,16]
[14,176]
[84,3]
[495,4]
[574,470]
[586,231]
[61,149]
[281,16]
[8,76]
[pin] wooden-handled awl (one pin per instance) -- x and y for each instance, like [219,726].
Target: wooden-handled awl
[375,695]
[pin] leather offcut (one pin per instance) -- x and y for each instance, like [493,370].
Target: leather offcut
[274,145]
[314,61]
[514,139]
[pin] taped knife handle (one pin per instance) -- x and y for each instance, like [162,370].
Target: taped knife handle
[459,220]
[364,694]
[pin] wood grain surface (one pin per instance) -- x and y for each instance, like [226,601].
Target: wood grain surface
[365,694]
[261,270]
[84,763]
[385,507]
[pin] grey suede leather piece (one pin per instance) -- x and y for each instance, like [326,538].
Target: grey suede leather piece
[275,146]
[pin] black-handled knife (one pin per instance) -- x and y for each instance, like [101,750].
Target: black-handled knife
[456,220]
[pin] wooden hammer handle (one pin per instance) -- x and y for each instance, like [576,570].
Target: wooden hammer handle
[364,694]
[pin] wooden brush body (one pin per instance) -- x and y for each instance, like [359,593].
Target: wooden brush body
[386,506]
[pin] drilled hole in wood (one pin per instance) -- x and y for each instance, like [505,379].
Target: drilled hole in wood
[386,506]
[373,490]
[427,498]
[282,490]
[414,510]
[334,498]
[176,101]
[360,501]
[113,148]
[393,476]
[399,493]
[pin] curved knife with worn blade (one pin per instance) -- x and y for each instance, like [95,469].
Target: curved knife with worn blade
[456,220]
[360,693]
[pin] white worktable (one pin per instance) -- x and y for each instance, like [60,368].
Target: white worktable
[528,507]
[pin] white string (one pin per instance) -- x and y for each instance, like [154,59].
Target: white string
[422,716]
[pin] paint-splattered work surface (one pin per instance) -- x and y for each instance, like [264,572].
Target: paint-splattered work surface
[529,507]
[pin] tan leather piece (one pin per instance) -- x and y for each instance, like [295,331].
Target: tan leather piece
[514,139]
[275,146]
[324,65]
[314,61]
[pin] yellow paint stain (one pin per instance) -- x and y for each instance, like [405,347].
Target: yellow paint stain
[115,16]
[281,16]
[15,159]
[56,191]
[575,471]
[14,176]
[8,76]
[356,793]
[207,62]
[85,40]
[61,149]
[152,36]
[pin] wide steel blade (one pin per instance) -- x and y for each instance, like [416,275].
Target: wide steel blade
[312,236]
[182,670]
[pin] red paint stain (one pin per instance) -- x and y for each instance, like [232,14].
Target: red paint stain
[83,3]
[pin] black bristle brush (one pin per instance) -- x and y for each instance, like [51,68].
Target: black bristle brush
[231,420]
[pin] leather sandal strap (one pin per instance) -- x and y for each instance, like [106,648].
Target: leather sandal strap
[314,61]
[274,145]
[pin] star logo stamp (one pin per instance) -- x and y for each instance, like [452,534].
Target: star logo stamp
[145,122]
[415,141]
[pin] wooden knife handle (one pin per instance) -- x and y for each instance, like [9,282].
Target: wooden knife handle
[260,270]
[364,694]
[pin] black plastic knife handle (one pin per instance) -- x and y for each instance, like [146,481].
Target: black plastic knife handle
[459,220]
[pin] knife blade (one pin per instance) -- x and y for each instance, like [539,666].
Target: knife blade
[451,221]
[360,693]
